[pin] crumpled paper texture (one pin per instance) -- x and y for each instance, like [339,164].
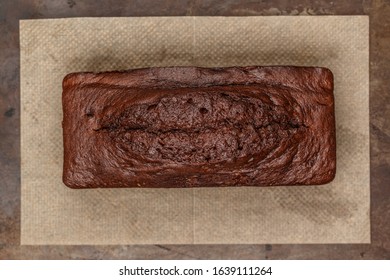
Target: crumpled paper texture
[54,214]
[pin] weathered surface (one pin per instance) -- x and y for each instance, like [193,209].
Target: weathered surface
[11,11]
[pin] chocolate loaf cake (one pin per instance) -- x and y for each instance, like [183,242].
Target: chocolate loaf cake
[195,127]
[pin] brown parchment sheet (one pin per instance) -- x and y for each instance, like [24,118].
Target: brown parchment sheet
[54,214]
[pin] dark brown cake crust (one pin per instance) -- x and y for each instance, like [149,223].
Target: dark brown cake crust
[193,127]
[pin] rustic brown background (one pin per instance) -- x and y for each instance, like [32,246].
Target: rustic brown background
[10,13]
